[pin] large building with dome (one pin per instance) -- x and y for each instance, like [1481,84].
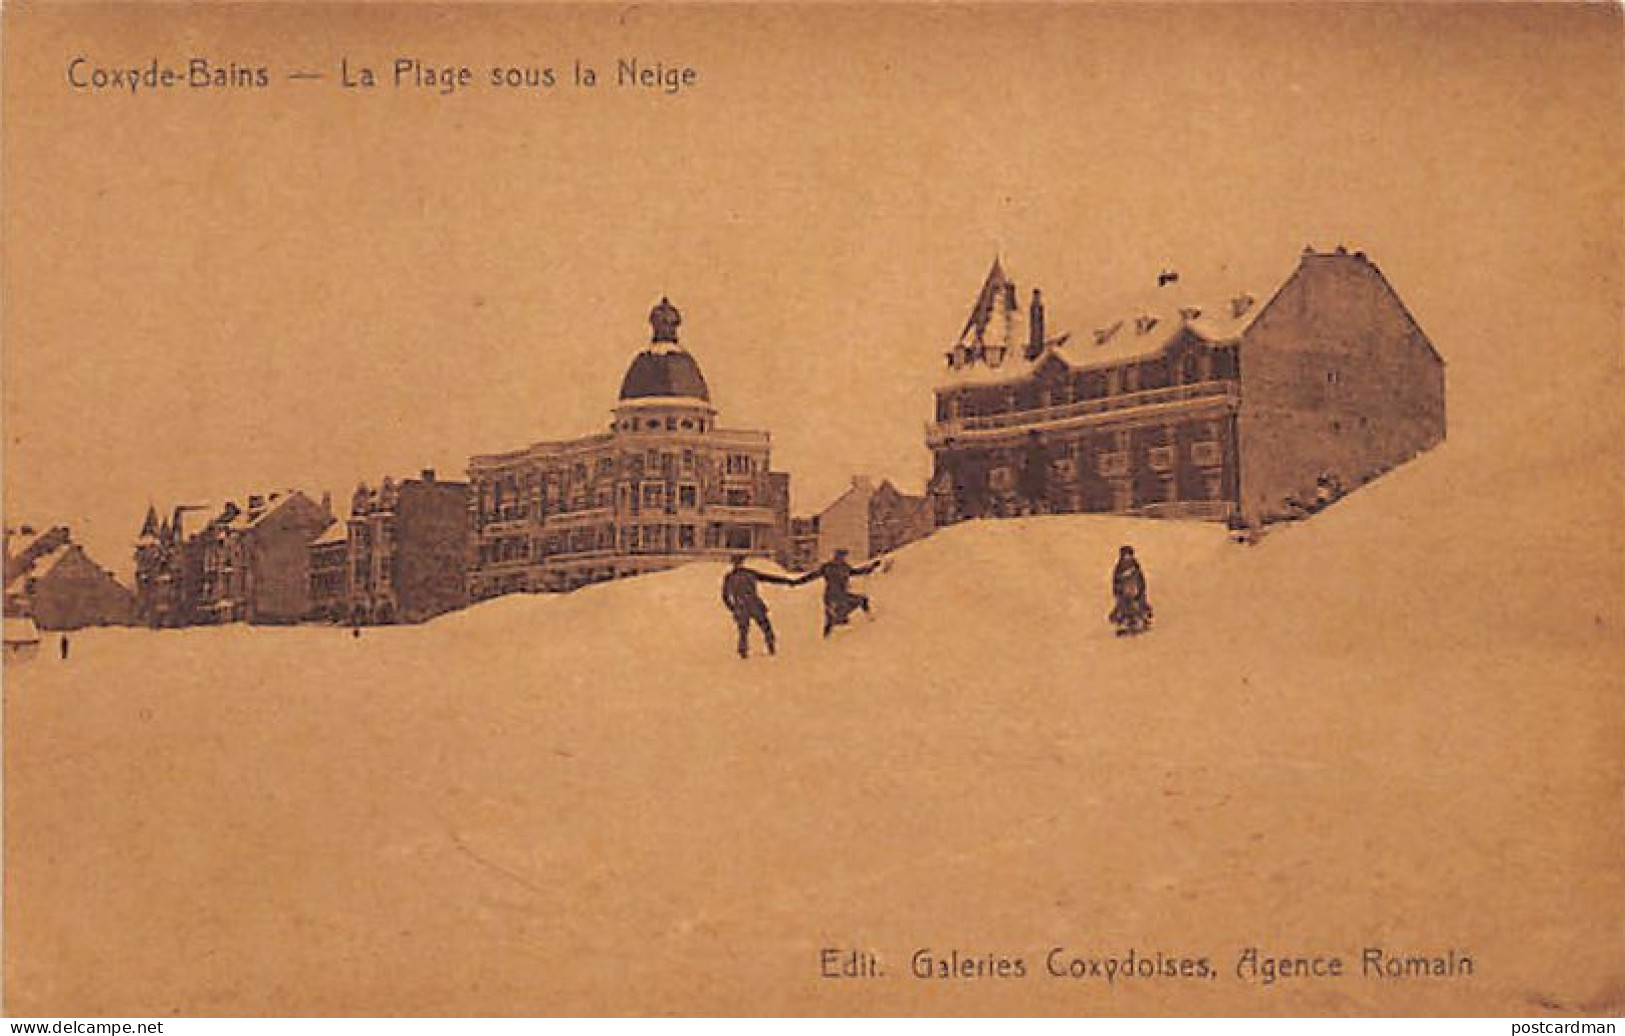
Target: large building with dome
[663,485]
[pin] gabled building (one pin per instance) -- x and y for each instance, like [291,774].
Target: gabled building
[1228,405]
[255,558]
[665,484]
[169,566]
[240,563]
[867,521]
[52,581]
[405,550]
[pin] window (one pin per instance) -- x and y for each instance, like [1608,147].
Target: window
[652,493]
[737,537]
[688,496]
[738,498]
[685,537]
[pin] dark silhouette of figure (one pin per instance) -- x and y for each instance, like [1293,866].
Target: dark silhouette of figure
[740,597]
[839,599]
[1132,611]
[62,645]
[355,632]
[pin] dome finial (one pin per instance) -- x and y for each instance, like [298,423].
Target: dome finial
[664,320]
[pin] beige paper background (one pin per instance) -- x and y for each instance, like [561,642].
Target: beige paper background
[208,293]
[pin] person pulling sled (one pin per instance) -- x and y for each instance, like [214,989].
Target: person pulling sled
[1132,612]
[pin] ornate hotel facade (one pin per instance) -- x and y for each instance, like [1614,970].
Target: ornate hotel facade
[1231,408]
[665,484]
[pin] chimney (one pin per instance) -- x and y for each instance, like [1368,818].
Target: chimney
[428,474]
[255,502]
[1035,326]
[862,482]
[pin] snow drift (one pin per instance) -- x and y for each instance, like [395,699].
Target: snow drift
[1353,734]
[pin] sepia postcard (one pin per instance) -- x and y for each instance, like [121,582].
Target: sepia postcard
[853,509]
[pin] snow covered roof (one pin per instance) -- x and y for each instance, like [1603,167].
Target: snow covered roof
[338,532]
[20,629]
[664,371]
[46,564]
[1132,326]
[273,502]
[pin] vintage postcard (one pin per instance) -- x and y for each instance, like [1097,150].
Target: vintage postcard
[866,509]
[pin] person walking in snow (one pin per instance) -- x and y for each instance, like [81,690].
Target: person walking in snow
[63,647]
[839,599]
[1131,612]
[745,604]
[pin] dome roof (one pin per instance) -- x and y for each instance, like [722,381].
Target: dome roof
[671,372]
[664,370]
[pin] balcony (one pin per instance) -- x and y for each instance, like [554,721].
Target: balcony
[989,426]
[738,513]
[584,516]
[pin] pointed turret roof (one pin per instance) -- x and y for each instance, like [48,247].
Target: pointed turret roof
[997,289]
[149,527]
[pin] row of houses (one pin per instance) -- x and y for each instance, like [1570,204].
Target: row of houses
[1187,401]
[664,484]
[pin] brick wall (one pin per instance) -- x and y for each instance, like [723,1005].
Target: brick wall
[1337,380]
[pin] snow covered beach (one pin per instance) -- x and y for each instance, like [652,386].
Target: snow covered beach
[1345,737]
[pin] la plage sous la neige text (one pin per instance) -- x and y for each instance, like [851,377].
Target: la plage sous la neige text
[401,74]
